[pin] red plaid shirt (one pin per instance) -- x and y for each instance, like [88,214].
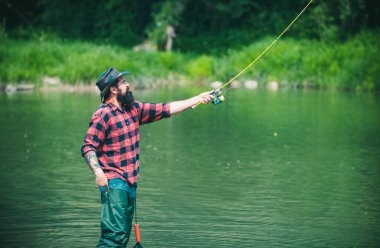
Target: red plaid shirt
[114,136]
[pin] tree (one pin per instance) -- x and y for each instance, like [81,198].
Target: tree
[166,16]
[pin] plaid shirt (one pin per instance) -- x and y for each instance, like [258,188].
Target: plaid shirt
[114,136]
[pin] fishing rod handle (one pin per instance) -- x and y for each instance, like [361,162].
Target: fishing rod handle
[137,233]
[196,105]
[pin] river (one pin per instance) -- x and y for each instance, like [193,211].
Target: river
[289,168]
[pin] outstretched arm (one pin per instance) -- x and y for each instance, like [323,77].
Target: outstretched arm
[179,106]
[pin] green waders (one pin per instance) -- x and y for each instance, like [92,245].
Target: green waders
[117,213]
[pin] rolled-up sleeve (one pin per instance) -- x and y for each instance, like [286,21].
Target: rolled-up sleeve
[150,112]
[96,132]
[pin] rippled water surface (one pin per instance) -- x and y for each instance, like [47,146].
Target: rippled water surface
[264,169]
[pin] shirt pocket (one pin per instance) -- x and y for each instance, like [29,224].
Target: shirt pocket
[113,137]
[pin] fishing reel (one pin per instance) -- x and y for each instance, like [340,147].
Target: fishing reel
[218,96]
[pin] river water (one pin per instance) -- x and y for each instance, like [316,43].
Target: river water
[264,169]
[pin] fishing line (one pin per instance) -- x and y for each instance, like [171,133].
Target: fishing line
[215,92]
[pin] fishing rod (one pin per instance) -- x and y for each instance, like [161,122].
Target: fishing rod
[217,93]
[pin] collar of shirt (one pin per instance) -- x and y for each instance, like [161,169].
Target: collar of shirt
[113,106]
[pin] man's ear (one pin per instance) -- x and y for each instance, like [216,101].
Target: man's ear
[113,89]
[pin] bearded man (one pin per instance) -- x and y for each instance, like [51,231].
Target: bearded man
[111,150]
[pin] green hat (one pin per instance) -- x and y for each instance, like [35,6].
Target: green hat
[106,79]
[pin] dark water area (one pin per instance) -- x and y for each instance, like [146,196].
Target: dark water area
[264,169]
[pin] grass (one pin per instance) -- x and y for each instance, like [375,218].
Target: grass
[352,65]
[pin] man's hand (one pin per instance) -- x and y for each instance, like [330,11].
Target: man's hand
[179,106]
[101,179]
[205,97]
[92,162]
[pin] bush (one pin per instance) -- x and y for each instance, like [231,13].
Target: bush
[353,64]
[201,67]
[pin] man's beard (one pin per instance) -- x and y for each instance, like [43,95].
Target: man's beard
[126,99]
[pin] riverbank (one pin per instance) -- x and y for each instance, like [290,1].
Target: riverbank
[352,65]
[249,85]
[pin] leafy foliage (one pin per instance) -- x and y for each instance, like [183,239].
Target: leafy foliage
[200,25]
[353,64]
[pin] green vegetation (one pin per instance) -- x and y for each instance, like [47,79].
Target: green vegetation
[353,64]
[333,45]
[199,24]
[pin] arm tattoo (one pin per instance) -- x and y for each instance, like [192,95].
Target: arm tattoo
[92,160]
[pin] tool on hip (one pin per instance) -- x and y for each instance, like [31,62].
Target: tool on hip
[265,52]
